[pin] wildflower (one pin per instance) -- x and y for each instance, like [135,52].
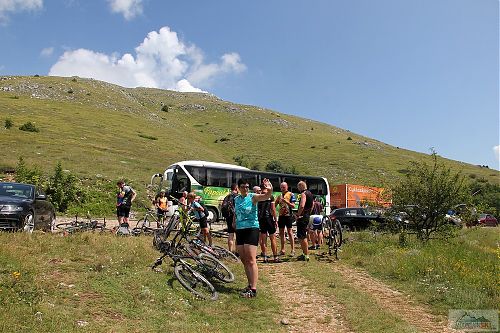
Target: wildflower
[16,275]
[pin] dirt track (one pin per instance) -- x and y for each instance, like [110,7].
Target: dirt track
[303,305]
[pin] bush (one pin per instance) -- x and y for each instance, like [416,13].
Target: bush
[164,108]
[29,175]
[62,189]
[149,137]
[425,194]
[8,123]
[29,127]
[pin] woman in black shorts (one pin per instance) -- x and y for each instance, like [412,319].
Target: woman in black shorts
[247,231]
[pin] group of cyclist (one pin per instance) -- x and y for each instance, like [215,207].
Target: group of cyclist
[252,217]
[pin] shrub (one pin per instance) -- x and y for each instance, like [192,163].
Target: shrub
[349,138]
[62,189]
[29,127]
[24,174]
[164,108]
[8,123]
[149,137]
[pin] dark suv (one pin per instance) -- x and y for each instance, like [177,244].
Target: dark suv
[355,218]
[24,207]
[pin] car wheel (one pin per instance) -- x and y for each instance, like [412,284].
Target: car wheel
[29,223]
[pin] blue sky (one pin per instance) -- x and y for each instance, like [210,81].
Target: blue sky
[414,74]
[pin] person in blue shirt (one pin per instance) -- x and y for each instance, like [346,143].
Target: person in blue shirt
[246,224]
[199,216]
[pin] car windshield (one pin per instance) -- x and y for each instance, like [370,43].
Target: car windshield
[16,190]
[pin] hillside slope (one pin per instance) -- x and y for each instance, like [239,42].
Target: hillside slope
[95,128]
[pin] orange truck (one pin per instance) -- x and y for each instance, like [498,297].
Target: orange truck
[350,195]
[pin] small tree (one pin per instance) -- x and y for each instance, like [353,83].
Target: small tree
[425,194]
[275,166]
[62,189]
[8,123]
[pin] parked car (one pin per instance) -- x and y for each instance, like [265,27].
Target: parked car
[355,218]
[25,207]
[487,220]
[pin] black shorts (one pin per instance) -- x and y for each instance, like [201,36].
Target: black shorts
[267,225]
[229,223]
[203,222]
[247,236]
[285,221]
[122,211]
[160,212]
[302,224]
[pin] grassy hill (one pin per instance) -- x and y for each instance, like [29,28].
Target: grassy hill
[98,129]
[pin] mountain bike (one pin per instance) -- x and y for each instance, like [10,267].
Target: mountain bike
[85,225]
[187,271]
[333,235]
[144,224]
[191,268]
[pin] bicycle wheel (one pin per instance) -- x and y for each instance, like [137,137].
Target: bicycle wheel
[68,227]
[225,254]
[194,282]
[143,222]
[211,266]
[338,234]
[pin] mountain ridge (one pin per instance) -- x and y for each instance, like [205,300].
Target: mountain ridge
[97,128]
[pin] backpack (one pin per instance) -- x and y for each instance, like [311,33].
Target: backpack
[205,209]
[227,207]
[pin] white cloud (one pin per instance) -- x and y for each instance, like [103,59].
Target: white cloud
[496,150]
[13,6]
[47,52]
[128,8]
[160,61]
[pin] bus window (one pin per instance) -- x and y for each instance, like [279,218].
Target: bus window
[251,177]
[316,186]
[274,179]
[218,177]
[292,183]
[180,183]
[198,173]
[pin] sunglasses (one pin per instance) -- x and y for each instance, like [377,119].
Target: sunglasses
[245,186]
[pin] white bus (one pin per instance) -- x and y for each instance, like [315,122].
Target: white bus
[212,182]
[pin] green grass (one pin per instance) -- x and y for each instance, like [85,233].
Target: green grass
[48,283]
[461,273]
[108,130]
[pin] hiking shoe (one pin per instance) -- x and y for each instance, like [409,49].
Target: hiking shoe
[249,293]
[266,259]
[312,247]
[292,254]
[303,257]
[317,247]
[282,252]
[277,259]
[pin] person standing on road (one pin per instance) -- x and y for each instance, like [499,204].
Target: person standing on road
[124,198]
[227,210]
[161,204]
[199,216]
[285,219]
[267,226]
[247,231]
[316,225]
[302,216]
